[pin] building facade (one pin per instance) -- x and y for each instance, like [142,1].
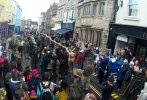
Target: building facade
[92,20]
[8,13]
[41,22]
[26,25]
[18,20]
[51,18]
[130,28]
[66,18]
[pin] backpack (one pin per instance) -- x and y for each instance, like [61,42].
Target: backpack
[19,92]
[33,93]
[47,92]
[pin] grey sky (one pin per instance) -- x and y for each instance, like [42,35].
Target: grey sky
[33,8]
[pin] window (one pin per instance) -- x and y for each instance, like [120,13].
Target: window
[101,9]
[133,8]
[86,10]
[80,1]
[79,12]
[94,9]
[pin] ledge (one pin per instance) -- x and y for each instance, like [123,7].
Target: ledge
[132,18]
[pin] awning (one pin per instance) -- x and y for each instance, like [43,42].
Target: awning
[122,38]
[63,30]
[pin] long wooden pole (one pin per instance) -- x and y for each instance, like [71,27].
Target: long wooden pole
[55,42]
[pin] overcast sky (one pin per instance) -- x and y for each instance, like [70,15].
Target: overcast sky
[32,8]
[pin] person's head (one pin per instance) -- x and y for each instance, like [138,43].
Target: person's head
[27,68]
[110,79]
[78,73]
[136,62]
[46,76]
[35,73]
[90,96]
[143,71]
[64,85]
[47,96]
[125,61]
[15,75]
[131,64]
[145,59]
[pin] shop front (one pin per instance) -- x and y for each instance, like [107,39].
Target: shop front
[121,36]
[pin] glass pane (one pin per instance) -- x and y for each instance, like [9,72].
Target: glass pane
[133,10]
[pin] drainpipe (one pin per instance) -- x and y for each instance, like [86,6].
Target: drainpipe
[116,8]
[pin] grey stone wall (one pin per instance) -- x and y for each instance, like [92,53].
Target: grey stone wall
[96,23]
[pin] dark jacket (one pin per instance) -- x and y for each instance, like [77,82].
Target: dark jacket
[15,85]
[106,91]
[33,83]
[144,65]
[122,72]
[103,64]
[135,87]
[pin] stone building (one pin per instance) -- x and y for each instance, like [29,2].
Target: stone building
[41,22]
[130,28]
[92,20]
[66,18]
[51,16]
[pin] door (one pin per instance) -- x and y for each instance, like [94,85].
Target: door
[140,51]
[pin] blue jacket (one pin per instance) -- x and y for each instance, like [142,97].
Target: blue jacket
[122,72]
[15,85]
[116,66]
[103,64]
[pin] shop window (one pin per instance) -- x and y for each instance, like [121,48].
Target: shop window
[133,8]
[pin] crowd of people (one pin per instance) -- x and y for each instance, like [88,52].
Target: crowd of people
[51,75]
[61,69]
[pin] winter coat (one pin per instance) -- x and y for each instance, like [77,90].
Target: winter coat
[15,85]
[122,72]
[80,58]
[116,66]
[63,95]
[144,65]
[33,82]
[135,87]
[103,64]
[106,91]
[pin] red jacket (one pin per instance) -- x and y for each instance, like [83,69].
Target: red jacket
[2,60]
[80,58]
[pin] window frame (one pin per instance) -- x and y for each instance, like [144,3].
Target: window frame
[100,8]
[94,13]
[128,12]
